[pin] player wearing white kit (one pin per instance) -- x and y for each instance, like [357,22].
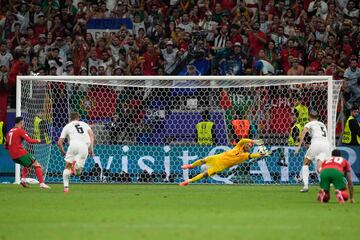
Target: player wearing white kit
[319,145]
[81,143]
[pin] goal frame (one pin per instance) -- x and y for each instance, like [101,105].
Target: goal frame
[109,81]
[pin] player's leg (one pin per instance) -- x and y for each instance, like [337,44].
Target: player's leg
[25,163]
[194,179]
[305,174]
[69,167]
[66,175]
[309,156]
[325,180]
[39,174]
[208,160]
[194,164]
[75,160]
[80,159]
[340,186]
[209,172]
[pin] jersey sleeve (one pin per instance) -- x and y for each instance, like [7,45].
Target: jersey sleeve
[308,125]
[87,127]
[244,141]
[26,137]
[64,132]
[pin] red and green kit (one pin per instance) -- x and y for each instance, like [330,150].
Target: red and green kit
[332,171]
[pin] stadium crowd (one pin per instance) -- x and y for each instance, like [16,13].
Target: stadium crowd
[232,37]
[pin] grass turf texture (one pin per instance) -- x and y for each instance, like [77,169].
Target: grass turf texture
[170,212]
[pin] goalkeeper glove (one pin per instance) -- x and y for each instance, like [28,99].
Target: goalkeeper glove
[267,153]
[259,142]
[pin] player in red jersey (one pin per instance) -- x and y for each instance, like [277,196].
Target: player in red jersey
[19,155]
[335,170]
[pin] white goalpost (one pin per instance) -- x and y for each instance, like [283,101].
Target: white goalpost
[145,126]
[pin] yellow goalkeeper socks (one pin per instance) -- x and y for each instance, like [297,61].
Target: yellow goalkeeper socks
[197,163]
[197,177]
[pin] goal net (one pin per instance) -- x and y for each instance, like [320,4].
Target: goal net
[147,127]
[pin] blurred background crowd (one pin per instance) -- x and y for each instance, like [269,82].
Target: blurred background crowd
[179,37]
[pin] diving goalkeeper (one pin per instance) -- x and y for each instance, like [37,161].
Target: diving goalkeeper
[219,162]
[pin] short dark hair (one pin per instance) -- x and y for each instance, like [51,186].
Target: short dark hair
[74,116]
[18,119]
[336,153]
[313,114]
[354,108]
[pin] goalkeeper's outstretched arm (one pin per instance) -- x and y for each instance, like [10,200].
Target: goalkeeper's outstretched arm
[260,155]
[244,141]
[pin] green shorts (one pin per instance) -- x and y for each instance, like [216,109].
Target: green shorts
[27,160]
[334,176]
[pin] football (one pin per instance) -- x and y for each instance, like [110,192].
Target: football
[262,149]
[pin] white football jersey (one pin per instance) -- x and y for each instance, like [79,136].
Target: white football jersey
[76,131]
[317,131]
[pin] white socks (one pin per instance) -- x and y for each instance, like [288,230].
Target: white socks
[66,176]
[305,175]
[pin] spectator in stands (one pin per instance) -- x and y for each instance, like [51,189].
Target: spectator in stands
[279,38]
[6,58]
[318,8]
[205,130]
[69,70]
[55,61]
[318,35]
[286,53]
[263,67]
[169,55]
[296,67]
[352,76]
[4,88]
[83,71]
[256,38]
[350,11]
[2,132]
[351,135]
[220,39]
[191,70]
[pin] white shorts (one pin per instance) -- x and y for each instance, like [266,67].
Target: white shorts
[317,148]
[78,152]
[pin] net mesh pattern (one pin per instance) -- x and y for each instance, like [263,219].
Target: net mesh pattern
[146,129]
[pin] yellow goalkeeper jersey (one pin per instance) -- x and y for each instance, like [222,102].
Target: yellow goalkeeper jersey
[235,155]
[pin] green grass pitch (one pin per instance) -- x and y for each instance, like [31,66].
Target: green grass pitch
[218,212]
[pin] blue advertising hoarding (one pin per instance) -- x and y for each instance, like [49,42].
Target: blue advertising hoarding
[165,162]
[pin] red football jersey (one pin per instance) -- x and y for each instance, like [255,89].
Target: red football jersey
[338,163]
[14,140]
